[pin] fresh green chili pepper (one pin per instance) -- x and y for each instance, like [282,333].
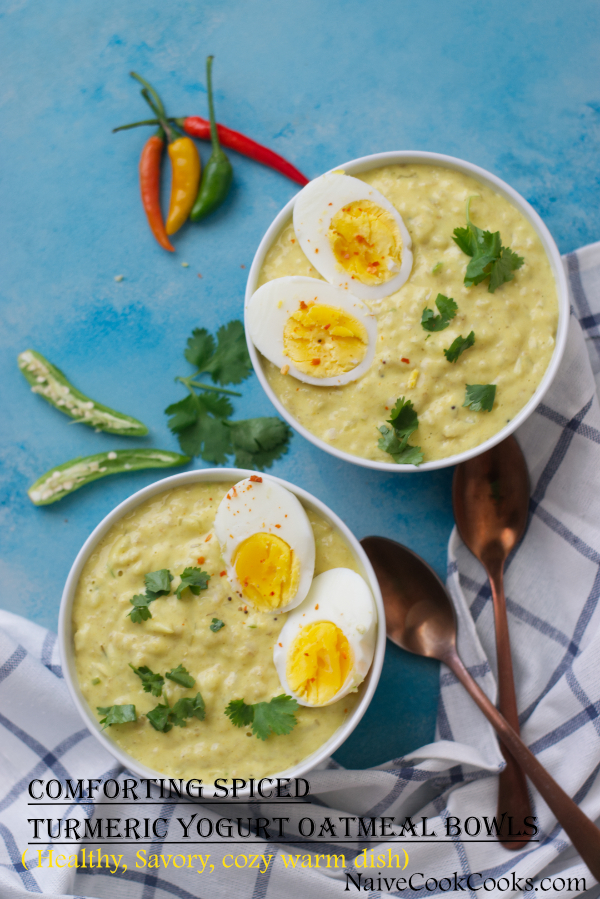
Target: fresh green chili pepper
[216,178]
[51,384]
[70,476]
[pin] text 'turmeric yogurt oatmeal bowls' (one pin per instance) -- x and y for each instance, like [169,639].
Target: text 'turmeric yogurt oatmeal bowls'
[183,649]
[471,361]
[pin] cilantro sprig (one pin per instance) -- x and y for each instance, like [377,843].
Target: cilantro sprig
[158,583]
[458,346]
[489,258]
[447,309]
[163,716]
[195,579]
[117,714]
[181,676]
[216,625]
[151,682]
[404,422]
[202,420]
[480,397]
[276,716]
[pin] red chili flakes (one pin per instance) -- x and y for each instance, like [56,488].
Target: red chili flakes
[316,362]
[404,359]
[199,275]
[317,606]
[277,525]
[327,326]
[303,305]
[242,266]
[208,538]
[280,644]
[222,573]
[201,560]
[316,251]
[293,240]
[256,479]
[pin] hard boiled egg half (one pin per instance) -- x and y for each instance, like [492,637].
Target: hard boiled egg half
[353,236]
[312,330]
[326,646]
[267,543]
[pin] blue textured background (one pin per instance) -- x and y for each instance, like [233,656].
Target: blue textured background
[514,88]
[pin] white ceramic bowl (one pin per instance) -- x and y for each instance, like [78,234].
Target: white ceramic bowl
[65,632]
[364,164]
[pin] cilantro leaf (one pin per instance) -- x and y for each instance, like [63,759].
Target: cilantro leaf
[480,397]
[447,309]
[240,714]
[404,422]
[458,346]
[116,714]
[183,414]
[216,625]
[140,611]
[400,450]
[503,268]
[195,579]
[158,583]
[227,361]
[200,349]
[159,718]
[404,419]
[258,442]
[151,682]
[489,257]
[181,676]
[208,438]
[275,716]
[187,708]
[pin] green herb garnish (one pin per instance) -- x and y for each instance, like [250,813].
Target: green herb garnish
[202,422]
[159,718]
[140,611]
[158,582]
[216,624]
[151,682]
[447,309]
[274,717]
[163,717]
[195,579]
[458,346]
[116,714]
[404,422]
[436,268]
[181,676]
[480,397]
[489,258]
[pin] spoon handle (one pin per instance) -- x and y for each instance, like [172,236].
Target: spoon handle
[582,832]
[513,797]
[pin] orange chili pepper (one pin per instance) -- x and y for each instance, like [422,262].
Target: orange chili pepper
[185,178]
[150,187]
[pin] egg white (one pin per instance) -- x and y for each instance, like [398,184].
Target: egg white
[270,307]
[264,507]
[344,598]
[316,205]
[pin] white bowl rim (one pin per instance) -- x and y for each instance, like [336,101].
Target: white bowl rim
[375,160]
[65,636]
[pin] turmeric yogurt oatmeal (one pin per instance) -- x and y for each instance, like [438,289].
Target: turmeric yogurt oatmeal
[177,616]
[464,357]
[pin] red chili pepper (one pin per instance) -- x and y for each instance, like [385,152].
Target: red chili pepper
[150,188]
[196,126]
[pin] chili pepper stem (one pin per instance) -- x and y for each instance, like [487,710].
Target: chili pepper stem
[211,109]
[189,383]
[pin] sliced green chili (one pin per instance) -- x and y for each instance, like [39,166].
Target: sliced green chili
[218,173]
[51,384]
[70,476]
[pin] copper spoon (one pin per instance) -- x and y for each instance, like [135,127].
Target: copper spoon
[490,496]
[420,618]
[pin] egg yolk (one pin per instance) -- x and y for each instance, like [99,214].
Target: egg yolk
[268,570]
[366,242]
[318,662]
[324,341]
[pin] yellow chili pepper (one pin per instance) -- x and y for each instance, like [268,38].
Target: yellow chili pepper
[185,166]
